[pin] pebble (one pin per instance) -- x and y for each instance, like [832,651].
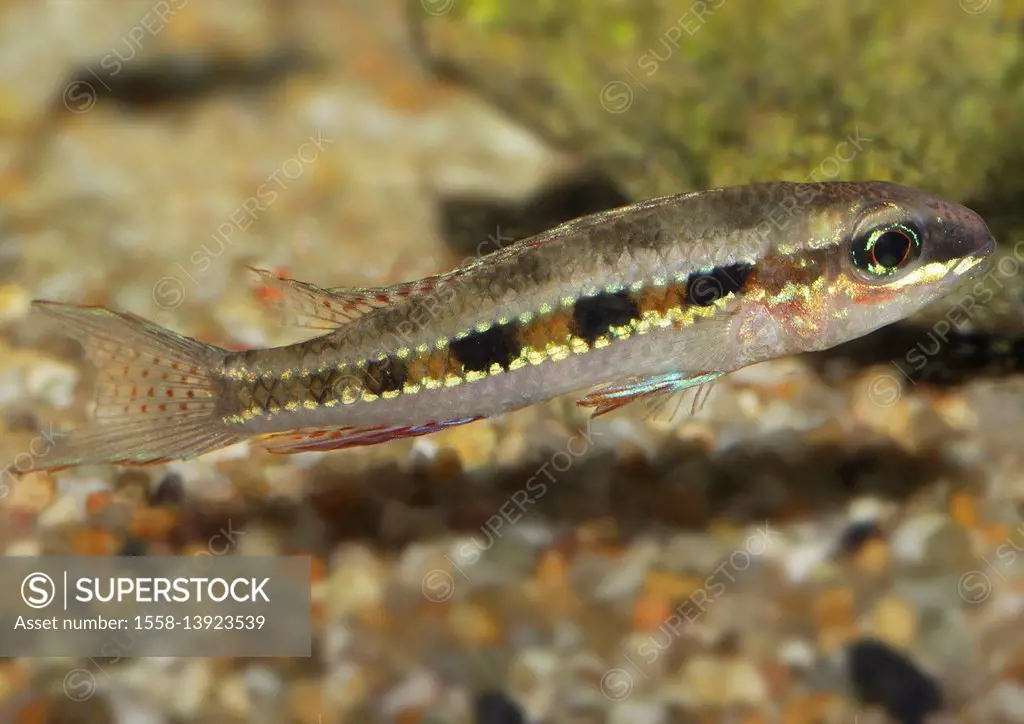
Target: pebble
[95,710]
[15,302]
[233,695]
[356,583]
[347,683]
[894,621]
[797,654]
[52,381]
[814,708]
[666,585]
[963,509]
[264,682]
[153,524]
[169,491]
[495,707]
[418,690]
[474,625]
[880,404]
[474,443]
[707,678]
[63,511]
[908,541]
[855,536]
[882,676]
[626,576]
[633,711]
[747,686]
[834,618]
[532,678]
[24,548]
[31,493]
[949,548]
[1004,702]
[804,561]
[873,557]
[715,681]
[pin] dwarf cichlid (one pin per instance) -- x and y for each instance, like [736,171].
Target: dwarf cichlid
[643,301]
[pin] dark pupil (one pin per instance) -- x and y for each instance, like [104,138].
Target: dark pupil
[891,249]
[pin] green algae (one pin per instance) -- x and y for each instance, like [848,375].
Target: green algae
[667,96]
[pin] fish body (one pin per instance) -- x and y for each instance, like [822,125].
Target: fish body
[646,300]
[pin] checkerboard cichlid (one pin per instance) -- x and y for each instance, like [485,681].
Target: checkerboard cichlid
[637,302]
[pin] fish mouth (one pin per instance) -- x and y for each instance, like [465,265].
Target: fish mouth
[977,262]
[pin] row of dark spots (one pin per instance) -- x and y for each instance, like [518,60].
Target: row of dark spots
[595,316]
[704,288]
[592,318]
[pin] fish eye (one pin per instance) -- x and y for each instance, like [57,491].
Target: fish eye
[885,250]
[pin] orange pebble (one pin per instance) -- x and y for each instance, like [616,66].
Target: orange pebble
[873,556]
[97,502]
[650,612]
[963,509]
[94,541]
[809,709]
[154,524]
[36,711]
[995,533]
[410,716]
[671,585]
[373,617]
[551,568]
[317,569]
[834,607]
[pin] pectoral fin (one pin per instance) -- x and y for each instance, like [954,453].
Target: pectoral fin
[615,396]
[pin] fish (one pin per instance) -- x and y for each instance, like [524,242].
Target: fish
[632,303]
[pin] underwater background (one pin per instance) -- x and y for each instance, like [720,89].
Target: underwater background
[831,538]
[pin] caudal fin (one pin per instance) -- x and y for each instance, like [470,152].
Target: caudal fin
[156,394]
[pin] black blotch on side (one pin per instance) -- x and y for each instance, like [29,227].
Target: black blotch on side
[480,350]
[704,287]
[386,375]
[594,316]
[885,677]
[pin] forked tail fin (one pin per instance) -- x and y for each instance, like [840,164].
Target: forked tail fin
[156,393]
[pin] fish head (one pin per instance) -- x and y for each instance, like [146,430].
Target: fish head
[880,252]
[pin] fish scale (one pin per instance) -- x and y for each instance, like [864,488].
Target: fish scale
[638,302]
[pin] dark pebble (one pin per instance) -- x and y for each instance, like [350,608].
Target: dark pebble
[494,707]
[133,547]
[855,535]
[885,677]
[170,491]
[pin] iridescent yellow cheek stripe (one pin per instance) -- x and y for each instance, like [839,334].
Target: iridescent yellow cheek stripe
[551,334]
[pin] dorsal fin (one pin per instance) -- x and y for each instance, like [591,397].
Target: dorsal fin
[326,309]
[307,305]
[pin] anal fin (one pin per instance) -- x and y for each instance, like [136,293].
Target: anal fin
[322,439]
[612,397]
